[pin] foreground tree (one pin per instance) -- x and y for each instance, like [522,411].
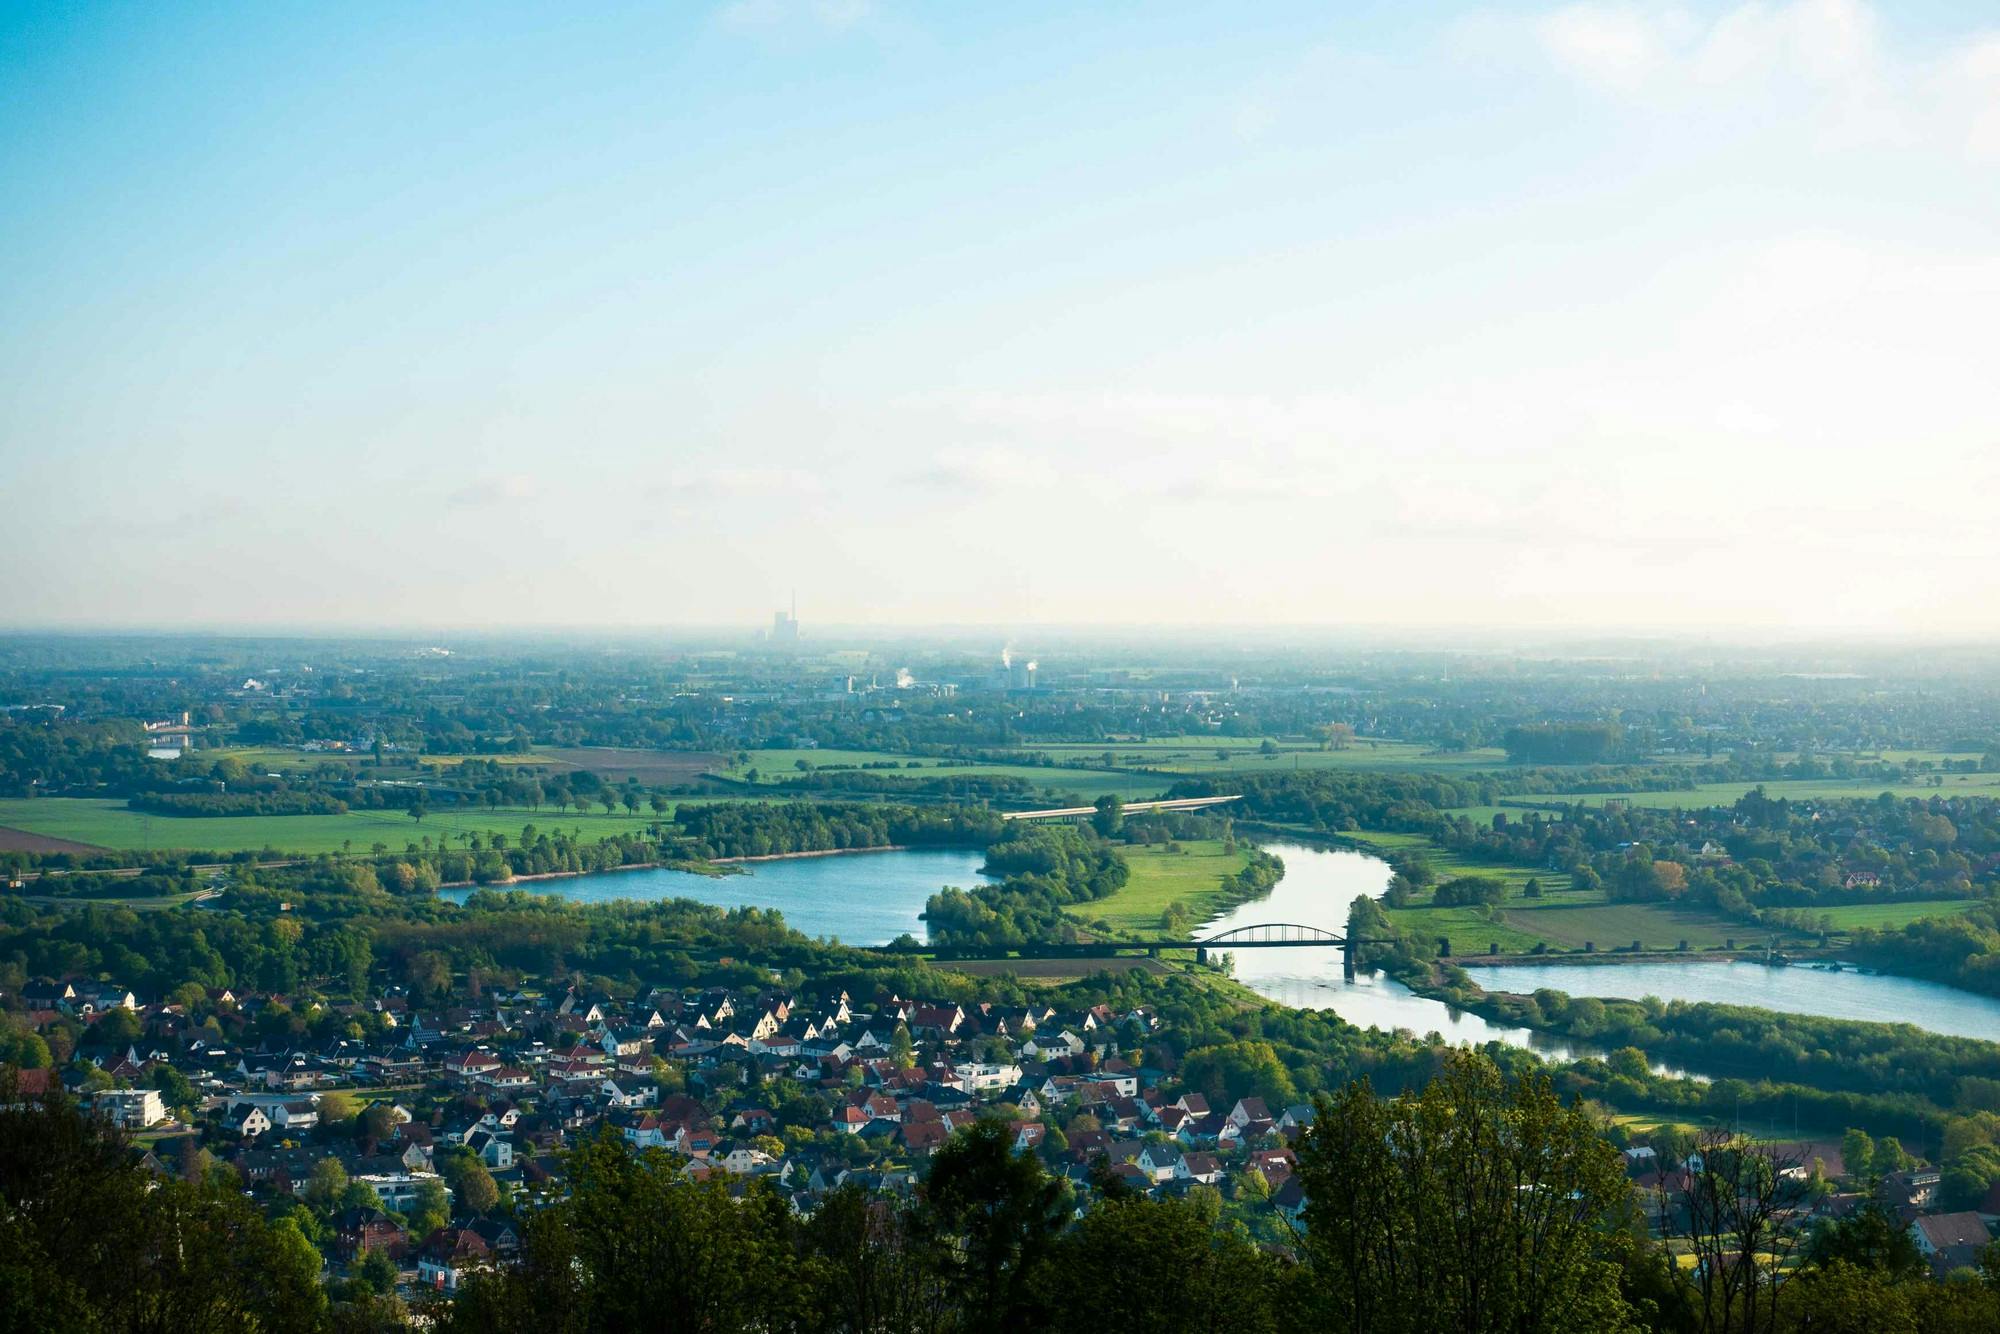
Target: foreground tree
[639,1246]
[873,1268]
[1870,1238]
[1737,1211]
[1475,1204]
[1160,1267]
[90,1241]
[998,1213]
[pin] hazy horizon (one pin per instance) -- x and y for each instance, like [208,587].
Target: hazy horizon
[1510,320]
[1573,643]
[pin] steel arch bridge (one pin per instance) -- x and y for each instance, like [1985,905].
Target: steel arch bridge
[1289,935]
[1261,935]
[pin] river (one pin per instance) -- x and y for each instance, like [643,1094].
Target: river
[1319,886]
[870,898]
[862,898]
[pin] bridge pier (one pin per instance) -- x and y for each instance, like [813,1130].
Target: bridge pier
[1347,959]
[1201,954]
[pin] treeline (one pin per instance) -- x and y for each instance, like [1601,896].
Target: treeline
[238,803]
[1335,801]
[1045,868]
[957,787]
[1566,743]
[1962,950]
[42,753]
[760,829]
[1837,1054]
[1758,853]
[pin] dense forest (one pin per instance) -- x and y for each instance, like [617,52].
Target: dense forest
[1044,869]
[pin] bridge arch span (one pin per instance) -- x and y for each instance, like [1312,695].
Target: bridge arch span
[1273,933]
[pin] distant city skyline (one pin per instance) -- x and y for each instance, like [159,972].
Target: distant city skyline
[1660,319]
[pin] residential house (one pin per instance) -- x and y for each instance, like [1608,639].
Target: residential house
[448,1255]
[247,1120]
[1028,1135]
[1200,1167]
[1950,1241]
[360,1229]
[294,1115]
[130,1109]
[494,1150]
[399,1190]
[1161,1162]
[745,1159]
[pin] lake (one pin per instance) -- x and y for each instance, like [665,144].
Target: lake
[863,898]
[1847,994]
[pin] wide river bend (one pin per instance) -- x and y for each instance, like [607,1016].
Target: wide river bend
[870,898]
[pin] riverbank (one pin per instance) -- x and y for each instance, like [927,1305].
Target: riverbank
[817,852]
[710,868]
[714,866]
[1615,958]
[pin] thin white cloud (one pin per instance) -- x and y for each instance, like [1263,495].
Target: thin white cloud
[1823,66]
[1971,83]
[986,471]
[1612,46]
[733,480]
[486,492]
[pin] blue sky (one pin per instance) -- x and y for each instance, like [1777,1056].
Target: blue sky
[1576,315]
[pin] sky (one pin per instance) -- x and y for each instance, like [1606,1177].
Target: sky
[1599,315]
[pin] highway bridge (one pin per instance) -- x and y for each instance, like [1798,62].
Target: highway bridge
[1078,814]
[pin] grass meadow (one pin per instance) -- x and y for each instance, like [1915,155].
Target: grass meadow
[1802,789]
[775,766]
[107,823]
[1159,877]
[1561,919]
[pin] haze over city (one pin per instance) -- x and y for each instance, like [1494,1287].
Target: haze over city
[1664,318]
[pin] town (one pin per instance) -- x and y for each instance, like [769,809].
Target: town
[408,1142]
[418,1137]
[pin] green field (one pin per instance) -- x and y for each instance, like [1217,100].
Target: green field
[1483,815]
[1468,929]
[1656,926]
[281,759]
[1219,755]
[1450,864]
[1522,924]
[1892,914]
[1193,876]
[1562,919]
[1566,919]
[1803,789]
[106,823]
[775,766]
